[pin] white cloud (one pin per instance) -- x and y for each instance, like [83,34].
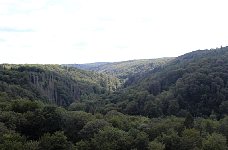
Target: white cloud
[77,31]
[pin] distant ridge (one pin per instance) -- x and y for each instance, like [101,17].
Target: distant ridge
[123,69]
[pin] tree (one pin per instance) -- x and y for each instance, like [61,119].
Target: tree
[141,141]
[209,126]
[84,145]
[151,109]
[132,108]
[53,119]
[33,126]
[118,120]
[56,141]
[224,127]
[74,122]
[24,105]
[189,121]
[190,139]
[92,128]
[171,140]
[3,129]
[155,145]
[173,107]
[112,139]
[215,142]
[12,141]
[31,145]
[224,108]
[49,119]
[77,106]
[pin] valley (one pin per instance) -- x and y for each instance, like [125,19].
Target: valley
[152,104]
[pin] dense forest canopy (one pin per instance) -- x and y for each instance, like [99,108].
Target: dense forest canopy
[53,83]
[163,104]
[195,83]
[124,69]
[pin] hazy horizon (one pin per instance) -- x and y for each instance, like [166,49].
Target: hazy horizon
[87,31]
[86,62]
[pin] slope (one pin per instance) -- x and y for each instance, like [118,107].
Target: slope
[196,82]
[124,69]
[53,83]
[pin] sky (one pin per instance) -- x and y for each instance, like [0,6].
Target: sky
[85,31]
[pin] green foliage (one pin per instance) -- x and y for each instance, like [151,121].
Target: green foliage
[31,145]
[118,120]
[77,106]
[3,129]
[158,127]
[83,145]
[207,125]
[179,106]
[152,110]
[24,105]
[74,122]
[224,107]
[124,69]
[191,139]
[12,141]
[56,141]
[224,127]
[52,83]
[189,121]
[171,140]
[51,127]
[155,145]
[194,83]
[11,119]
[141,140]
[112,139]
[215,141]
[92,128]
[48,119]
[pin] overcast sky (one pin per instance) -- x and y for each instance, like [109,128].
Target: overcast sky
[82,31]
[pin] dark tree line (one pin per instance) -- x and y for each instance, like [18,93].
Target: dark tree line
[26,125]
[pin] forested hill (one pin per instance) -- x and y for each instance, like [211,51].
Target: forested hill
[196,82]
[182,105]
[53,83]
[124,69]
